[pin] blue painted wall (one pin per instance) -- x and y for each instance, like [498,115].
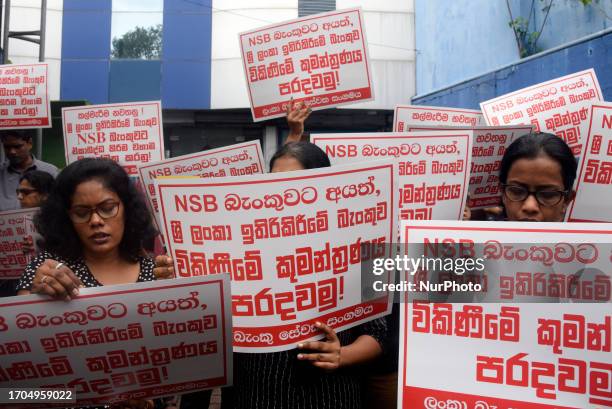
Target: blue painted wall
[456,40]
[595,53]
[181,79]
[86,29]
[186,54]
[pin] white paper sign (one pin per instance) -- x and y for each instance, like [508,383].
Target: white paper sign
[293,243]
[433,167]
[421,115]
[115,343]
[24,96]
[320,59]
[130,133]
[594,181]
[559,106]
[12,233]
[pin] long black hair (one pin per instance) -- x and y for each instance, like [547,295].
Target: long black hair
[530,146]
[54,224]
[308,154]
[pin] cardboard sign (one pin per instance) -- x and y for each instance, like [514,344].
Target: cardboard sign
[321,60]
[433,167]
[115,343]
[420,115]
[235,160]
[594,181]
[559,106]
[293,243]
[12,233]
[519,355]
[24,96]
[131,133]
[488,148]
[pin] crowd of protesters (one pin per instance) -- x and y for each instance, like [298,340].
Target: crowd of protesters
[94,232]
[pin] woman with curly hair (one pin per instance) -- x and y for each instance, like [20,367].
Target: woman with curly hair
[94,224]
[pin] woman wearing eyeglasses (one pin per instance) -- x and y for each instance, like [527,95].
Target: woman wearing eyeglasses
[94,224]
[34,187]
[537,174]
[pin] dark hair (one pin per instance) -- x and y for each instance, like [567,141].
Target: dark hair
[54,224]
[531,145]
[308,154]
[43,182]
[23,134]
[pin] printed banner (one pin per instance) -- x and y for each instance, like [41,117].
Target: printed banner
[321,60]
[420,115]
[560,106]
[12,233]
[488,148]
[594,181]
[433,167]
[293,243]
[24,96]
[515,355]
[235,160]
[115,343]
[131,133]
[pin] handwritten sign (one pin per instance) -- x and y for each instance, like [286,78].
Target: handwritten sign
[433,167]
[488,148]
[406,116]
[12,233]
[559,106]
[594,181]
[523,356]
[131,133]
[321,60]
[235,160]
[120,342]
[24,96]
[293,243]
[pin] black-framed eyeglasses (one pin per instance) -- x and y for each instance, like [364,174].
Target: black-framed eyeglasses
[25,191]
[545,197]
[82,214]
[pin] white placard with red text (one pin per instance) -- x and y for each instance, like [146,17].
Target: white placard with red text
[516,355]
[236,160]
[488,148]
[319,59]
[433,167]
[559,106]
[121,342]
[292,242]
[12,233]
[594,181]
[24,96]
[421,115]
[130,133]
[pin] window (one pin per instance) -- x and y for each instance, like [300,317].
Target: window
[136,29]
[308,7]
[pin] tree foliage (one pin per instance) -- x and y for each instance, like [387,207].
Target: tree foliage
[141,43]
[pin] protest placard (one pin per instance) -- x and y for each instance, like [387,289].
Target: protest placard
[559,106]
[235,160]
[555,354]
[24,96]
[130,133]
[320,59]
[421,115]
[114,343]
[293,243]
[433,166]
[12,233]
[488,148]
[594,181]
